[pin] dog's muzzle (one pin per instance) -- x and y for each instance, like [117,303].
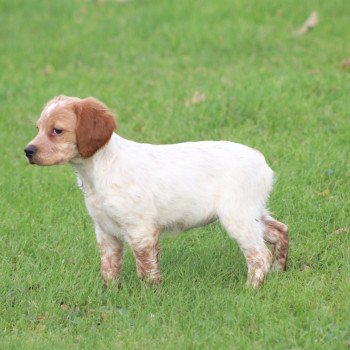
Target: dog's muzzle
[30,152]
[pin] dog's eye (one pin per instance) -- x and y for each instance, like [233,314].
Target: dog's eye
[56,131]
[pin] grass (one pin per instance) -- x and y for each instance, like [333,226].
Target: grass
[265,87]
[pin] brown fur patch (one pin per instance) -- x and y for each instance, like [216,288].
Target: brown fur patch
[111,262]
[258,266]
[147,263]
[95,125]
[276,233]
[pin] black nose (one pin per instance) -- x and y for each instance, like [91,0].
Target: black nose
[30,151]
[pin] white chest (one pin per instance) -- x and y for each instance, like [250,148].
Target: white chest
[105,214]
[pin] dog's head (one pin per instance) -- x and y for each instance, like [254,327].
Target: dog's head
[68,128]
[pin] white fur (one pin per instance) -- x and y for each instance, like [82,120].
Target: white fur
[50,107]
[133,190]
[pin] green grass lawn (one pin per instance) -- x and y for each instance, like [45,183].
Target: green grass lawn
[260,85]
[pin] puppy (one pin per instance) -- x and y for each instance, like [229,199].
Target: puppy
[135,191]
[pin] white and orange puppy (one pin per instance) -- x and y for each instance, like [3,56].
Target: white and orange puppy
[135,191]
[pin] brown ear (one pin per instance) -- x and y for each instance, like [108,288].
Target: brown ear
[95,125]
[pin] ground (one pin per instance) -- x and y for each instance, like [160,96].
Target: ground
[175,71]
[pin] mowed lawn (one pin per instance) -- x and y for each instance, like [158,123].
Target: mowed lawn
[174,71]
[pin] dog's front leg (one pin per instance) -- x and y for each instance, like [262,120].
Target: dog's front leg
[146,253]
[111,251]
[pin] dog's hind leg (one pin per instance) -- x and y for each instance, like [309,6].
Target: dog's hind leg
[248,233]
[276,234]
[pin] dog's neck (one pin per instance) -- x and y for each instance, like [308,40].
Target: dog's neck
[89,170]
